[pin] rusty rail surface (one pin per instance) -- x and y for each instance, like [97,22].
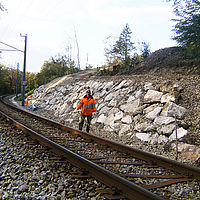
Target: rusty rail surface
[129,189]
[181,168]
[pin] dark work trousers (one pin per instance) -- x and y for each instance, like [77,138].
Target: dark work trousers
[89,118]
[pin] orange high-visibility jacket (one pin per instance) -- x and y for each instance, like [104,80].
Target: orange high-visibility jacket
[27,99]
[87,105]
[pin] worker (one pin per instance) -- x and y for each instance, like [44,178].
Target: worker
[87,103]
[27,99]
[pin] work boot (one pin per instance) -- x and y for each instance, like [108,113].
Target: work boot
[87,129]
[80,126]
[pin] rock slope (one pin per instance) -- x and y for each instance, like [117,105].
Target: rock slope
[146,109]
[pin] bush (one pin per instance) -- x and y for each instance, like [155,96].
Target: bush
[19,98]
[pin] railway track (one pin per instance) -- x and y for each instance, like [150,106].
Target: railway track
[129,172]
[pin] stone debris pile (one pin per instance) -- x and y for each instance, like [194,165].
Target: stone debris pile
[125,107]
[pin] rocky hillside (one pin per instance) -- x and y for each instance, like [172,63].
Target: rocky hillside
[146,109]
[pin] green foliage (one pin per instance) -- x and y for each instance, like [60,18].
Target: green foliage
[187,28]
[120,54]
[8,78]
[123,46]
[88,67]
[135,59]
[145,50]
[56,67]
[19,98]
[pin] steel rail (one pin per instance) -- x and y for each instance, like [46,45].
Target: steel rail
[186,170]
[128,189]
[180,168]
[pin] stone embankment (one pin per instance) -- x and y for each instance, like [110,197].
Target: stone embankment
[141,111]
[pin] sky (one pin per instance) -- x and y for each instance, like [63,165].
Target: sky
[55,27]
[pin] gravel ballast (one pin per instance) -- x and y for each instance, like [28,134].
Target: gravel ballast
[27,171]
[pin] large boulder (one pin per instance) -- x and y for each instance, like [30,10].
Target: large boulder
[153,96]
[173,110]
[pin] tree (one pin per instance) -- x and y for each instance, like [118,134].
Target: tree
[31,81]
[2,8]
[56,67]
[123,46]
[145,49]
[187,28]
[8,76]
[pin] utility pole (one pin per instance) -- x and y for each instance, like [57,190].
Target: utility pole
[24,70]
[17,80]
[24,75]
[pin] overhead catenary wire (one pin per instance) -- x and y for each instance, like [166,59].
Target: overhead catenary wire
[14,48]
[6,29]
[27,12]
[19,19]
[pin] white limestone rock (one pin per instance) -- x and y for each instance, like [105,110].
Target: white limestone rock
[104,110]
[153,96]
[173,110]
[100,106]
[97,96]
[181,132]
[144,127]
[65,108]
[118,116]
[153,114]
[101,119]
[108,128]
[94,120]
[112,95]
[138,93]
[145,137]
[162,139]
[109,120]
[108,85]
[129,134]
[151,108]
[123,129]
[154,138]
[130,99]
[166,129]
[188,151]
[131,107]
[113,103]
[113,111]
[52,101]
[127,119]
[116,127]
[168,98]
[148,86]
[162,120]
[103,93]
[75,105]
[120,85]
